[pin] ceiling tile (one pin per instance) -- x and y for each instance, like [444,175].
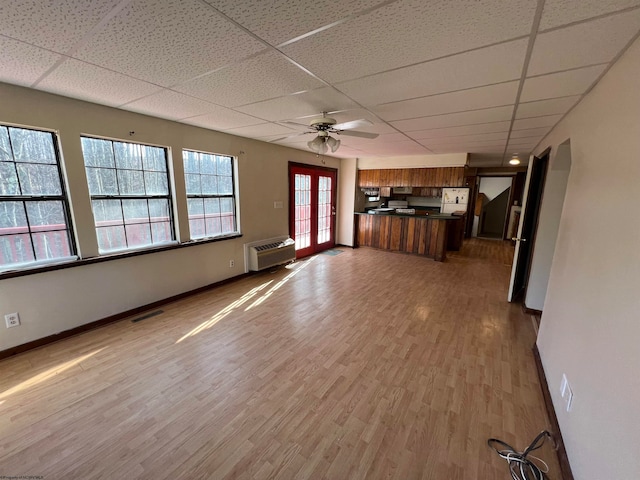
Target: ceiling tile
[561,12]
[495,150]
[460,138]
[263,77]
[598,41]
[485,66]
[573,82]
[438,142]
[279,20]
[530,132]
[410,31]
[546,107]
[54,25]
[476,98]
[87,82]
[175,106]
[372,142]
[495,127]
[396,148]
[535,122]
[455,119]
[262,130]
[23,64]
[293,106]
[221,118]
[168,42]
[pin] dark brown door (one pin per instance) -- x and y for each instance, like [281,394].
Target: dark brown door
[312,208]
[527,230]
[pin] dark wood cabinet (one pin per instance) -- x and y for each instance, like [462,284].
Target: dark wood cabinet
[416,235]
[412,177]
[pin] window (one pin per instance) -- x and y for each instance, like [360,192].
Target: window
[34,212]
[211,200]
[129,187]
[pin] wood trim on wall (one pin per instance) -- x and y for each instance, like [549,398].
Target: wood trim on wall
[114,318]
[563,459]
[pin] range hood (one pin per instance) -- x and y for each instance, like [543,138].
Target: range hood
[403,190]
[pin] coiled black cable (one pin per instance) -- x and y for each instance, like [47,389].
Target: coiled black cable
[520,466]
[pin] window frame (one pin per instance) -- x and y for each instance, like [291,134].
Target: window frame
[119,252]
[234,196]
[63,197]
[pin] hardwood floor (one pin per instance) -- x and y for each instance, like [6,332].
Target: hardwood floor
[367,364]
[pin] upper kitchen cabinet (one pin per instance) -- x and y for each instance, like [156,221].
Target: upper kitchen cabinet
[368,178]
[412,177]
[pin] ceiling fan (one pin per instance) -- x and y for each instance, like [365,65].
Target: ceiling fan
[323,126]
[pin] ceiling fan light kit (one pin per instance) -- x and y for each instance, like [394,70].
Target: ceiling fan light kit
[323,126]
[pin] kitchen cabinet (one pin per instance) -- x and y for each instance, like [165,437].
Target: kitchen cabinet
[412,177]
[409,234]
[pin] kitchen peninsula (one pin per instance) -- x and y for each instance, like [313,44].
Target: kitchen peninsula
[420,234]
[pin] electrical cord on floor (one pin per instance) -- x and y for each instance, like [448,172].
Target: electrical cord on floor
[521,466]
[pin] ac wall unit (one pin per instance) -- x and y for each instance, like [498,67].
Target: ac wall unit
[270,254]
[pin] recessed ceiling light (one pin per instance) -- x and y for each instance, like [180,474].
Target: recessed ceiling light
[514,160]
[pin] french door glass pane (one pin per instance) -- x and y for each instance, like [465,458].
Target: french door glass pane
[324,209]
[303,211]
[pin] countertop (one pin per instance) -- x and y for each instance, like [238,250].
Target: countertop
[433,216]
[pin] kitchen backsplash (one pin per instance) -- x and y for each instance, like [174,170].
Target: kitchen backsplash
[424,201]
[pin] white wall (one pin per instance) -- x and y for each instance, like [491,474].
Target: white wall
[548,225]
[590,328]
[414,161]
[59,300]
[346,205]
[493,186]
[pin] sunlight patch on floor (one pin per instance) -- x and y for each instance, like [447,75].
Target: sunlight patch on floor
[225,311]
[264,297]
[47,374]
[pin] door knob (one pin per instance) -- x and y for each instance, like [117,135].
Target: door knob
[516,239]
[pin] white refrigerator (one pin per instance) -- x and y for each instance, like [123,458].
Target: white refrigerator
[454,199]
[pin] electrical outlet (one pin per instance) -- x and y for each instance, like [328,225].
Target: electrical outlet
[278,204]
[232,263]
[12,319]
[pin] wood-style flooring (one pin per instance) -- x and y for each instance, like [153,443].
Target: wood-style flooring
[367,364]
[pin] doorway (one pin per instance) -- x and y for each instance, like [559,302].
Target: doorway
[493,205]
[312,208]
[534,187]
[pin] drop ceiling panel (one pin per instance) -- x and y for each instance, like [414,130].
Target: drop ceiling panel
[397,148]
[54,25]
[535,122]
[410,31]
[458,139]
[455,119]
[23,64]
[168,42]
[221,118]
[372,142]
[573,82]
[176,106]
[299,105]
[261,130]
[530,132]
[438,142]
[264,77]
[561,12]
[281,20]
[476,98]
[598,41]
[496,127]
[87,82]
[546,107]
[485,66]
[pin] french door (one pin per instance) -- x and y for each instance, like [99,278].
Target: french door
[312,192]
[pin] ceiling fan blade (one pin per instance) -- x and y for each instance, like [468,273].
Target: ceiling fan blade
[353,124]
[289,136]
[352,133]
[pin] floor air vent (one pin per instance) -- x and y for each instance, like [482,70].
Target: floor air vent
[270,253]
